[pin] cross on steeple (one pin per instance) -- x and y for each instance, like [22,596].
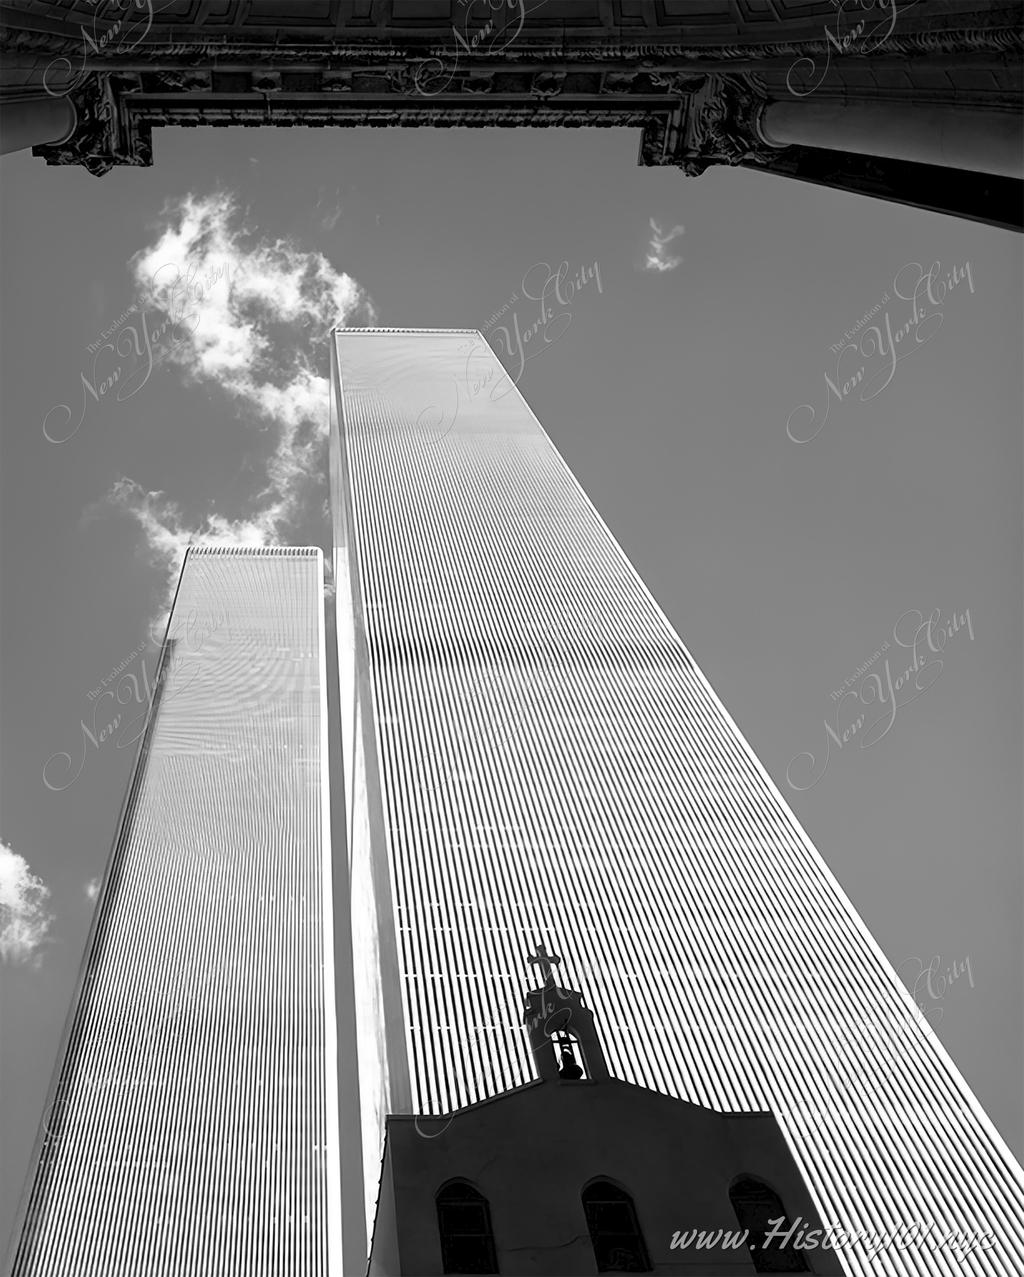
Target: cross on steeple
[545,961]
[560,1027]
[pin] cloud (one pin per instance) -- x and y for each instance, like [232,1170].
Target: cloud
[252,318]
[168,534]
[92,889]
[24,921]
[657,258]
[328,209]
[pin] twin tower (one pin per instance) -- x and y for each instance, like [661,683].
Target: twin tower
[451,921]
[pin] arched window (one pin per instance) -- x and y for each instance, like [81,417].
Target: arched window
[756,1206]
[614,1229]
[464,1222]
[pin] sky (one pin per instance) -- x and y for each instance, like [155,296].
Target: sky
[797,484]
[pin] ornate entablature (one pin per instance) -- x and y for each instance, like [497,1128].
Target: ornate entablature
[694,77]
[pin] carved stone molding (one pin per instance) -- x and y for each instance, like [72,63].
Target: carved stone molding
[101,141]
[695,90]
[721,127]
[159,47]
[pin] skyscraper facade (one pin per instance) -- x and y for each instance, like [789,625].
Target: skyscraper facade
[523,754]
[532,754]
[193,1125]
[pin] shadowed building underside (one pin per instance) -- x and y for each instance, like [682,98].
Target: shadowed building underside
[917,103]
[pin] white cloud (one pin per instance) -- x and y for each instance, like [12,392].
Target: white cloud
[24,921]
[234,297]
[328,208]
[92,889]
[168,535]
[657,258]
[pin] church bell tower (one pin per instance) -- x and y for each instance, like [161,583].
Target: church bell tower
[578,1172]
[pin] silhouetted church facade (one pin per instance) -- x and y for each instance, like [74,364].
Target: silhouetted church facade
[579,1173]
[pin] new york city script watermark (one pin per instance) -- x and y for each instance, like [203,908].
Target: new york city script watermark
[925,639]
[555,290]
[128,688]
[125,33]
[125,363]
[500,22]
[850,34]
[869,364]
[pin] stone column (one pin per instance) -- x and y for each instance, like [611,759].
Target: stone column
[952,137]
[35,121]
